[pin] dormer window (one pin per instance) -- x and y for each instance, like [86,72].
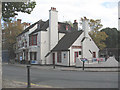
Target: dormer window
[66,27]
[69,27]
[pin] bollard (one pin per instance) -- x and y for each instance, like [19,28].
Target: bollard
[28,76]
[83,64]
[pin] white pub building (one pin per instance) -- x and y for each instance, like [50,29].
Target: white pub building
[49,42]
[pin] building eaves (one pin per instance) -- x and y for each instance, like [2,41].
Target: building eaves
[27,29]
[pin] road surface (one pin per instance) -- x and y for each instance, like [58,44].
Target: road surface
[62,79]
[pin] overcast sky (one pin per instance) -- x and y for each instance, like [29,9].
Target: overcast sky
[69,10]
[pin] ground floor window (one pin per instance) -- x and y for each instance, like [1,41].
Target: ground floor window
[59,57]
[26,56]
[79,52]
[33,55]
[64,55]
[94,54]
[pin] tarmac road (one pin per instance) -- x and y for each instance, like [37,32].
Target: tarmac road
[62,79]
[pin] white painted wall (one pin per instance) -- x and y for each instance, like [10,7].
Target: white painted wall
[44,45]
[49,59]
[61,35]
[64,61]
[72,51]
[89,45]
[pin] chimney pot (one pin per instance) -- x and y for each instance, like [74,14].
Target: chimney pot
[52,8]
[75,24]
[75,21]
[19,20]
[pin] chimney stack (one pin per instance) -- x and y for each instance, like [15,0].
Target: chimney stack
[75,24]
[53,28]
[85,26]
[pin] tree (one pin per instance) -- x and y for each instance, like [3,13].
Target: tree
[10,9]
[112,39]
[10,32]
[99,38]
[95,33]
[69,22]
[95,25]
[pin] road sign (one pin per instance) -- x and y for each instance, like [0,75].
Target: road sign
[83,59]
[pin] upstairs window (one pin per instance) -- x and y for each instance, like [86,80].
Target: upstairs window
[68,27]
[33,55]
[33,40]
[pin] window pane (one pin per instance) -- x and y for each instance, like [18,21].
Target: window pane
[35,55]
[79,52]
[35,40]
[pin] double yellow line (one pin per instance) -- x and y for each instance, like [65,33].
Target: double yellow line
[32,84]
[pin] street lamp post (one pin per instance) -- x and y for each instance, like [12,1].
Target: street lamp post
[28,76]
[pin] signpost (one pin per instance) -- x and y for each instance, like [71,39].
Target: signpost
[83,60]
[83,64]
[54,65]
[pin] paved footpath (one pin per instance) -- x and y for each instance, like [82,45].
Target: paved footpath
[16,84]
[62,68]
